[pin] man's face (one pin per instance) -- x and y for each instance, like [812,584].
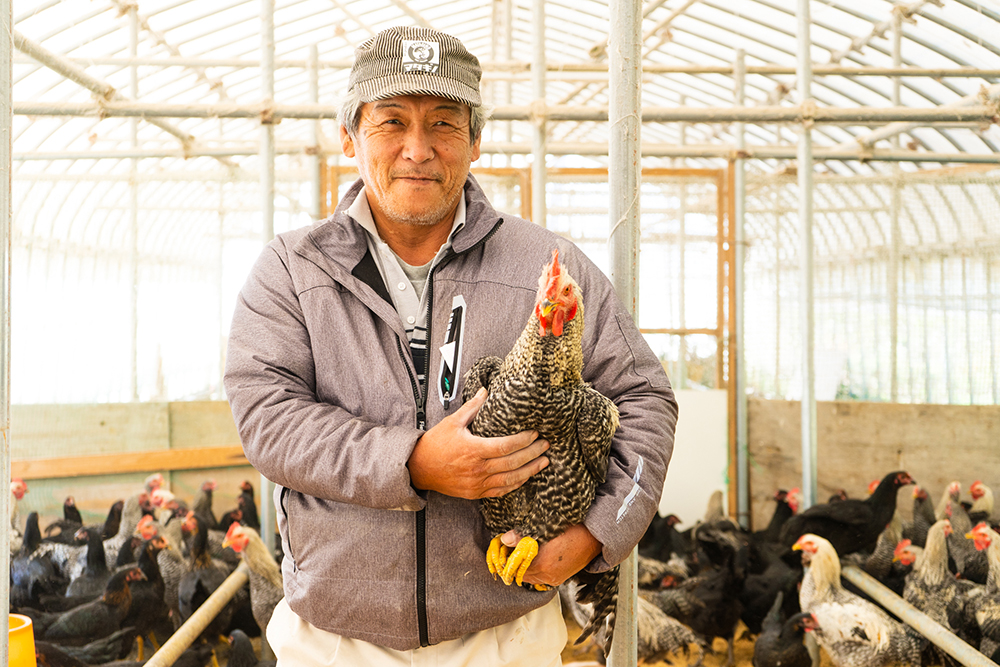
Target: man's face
[413,153]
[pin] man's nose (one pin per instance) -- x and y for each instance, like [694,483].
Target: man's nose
[418,144]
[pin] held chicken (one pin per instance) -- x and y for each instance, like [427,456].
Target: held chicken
[539,386]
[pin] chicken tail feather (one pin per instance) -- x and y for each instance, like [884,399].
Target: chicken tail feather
[601,591]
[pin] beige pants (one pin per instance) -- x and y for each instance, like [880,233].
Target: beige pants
[534,640]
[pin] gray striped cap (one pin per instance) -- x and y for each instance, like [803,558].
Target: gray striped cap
[405,60]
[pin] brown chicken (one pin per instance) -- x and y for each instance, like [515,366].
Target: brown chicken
[266,585]
[93,620]
[539,386]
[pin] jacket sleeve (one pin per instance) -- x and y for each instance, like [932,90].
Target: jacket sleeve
[619,364]
[288,434]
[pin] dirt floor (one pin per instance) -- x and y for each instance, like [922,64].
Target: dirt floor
[586,655]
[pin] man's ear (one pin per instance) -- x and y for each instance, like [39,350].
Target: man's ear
[346,142]
[475,147]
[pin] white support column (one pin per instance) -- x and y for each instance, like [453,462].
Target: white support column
[895,205]
[508,52]
[682,265]
[539,124]
[267,517]
[6,117]
[739,254]
[624,175]
[316,159]
[133,200]
[806,314]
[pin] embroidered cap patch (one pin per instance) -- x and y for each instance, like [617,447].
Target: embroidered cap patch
[421,56]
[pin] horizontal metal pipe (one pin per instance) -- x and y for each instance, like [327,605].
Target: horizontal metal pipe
[770,114]
[199,620]
[516,67]
[724,151]
[940,636]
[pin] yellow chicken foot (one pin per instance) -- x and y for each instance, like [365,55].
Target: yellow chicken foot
[519,560]
[496,556]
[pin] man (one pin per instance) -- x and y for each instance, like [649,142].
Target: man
[345,357]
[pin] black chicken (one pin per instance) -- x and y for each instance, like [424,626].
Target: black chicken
[95,573]
[780,642]
[241,653]
[149,613]
[709,604]
[71,522]
[201,579]
[850,525]
[786,507]
[203,504]
[92,620]
[32,571]
[539,386]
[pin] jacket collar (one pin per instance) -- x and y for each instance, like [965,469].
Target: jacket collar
[343,240]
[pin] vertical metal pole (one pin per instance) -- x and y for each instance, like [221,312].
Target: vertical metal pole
[681,381]
[219,275]
[267,517]
[990,309]
[539,129]
[927,338]
[806,315]
[944,316]
[777,299]
[133,187]
[894,236]
[316,160]
[739,255]
[968,329]
[624,173]
[6,117]
[267,128]
[508,55]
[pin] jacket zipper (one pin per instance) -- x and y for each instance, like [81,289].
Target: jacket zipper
[421,515]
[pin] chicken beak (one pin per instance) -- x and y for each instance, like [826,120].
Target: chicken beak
[796,547]
[547,307]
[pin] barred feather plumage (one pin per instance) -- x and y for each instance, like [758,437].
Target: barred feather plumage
[539,386]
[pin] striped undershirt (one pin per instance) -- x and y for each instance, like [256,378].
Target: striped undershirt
[406,284]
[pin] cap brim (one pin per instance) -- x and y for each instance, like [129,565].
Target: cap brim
[394,85]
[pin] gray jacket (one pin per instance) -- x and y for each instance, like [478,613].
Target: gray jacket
[322,386]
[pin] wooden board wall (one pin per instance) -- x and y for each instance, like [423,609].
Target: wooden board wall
[859,442]
[100,453]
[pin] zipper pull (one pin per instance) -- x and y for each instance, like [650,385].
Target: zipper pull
[421,419]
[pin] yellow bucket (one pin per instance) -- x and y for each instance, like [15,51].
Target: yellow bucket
[22,641]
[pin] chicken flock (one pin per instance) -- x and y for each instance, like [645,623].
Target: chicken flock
[96,594]
[784,582]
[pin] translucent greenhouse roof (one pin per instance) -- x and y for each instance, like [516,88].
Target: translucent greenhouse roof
[216,45]
[135,234]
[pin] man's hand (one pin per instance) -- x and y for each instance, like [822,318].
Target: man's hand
[561,557]
[450,460]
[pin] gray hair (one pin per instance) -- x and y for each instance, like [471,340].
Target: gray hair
[350,115]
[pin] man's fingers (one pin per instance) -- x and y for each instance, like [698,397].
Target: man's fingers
[465,414]
[503,483]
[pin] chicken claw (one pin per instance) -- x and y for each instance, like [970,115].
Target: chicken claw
[519,561]
[496,556]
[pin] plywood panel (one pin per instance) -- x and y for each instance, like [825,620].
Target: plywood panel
[49,431]
[202,424]
[859,442]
